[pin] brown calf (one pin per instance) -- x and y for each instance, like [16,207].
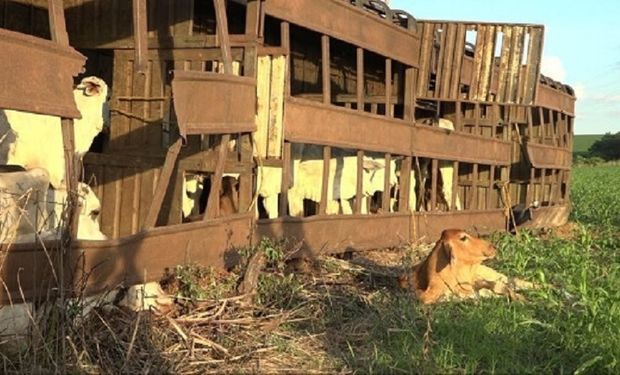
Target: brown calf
[453,268]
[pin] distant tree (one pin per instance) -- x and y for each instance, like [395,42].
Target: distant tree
[607,147]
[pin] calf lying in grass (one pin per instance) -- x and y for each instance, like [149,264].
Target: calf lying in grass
[454,269]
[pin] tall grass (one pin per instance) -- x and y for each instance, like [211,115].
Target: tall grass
[570,325]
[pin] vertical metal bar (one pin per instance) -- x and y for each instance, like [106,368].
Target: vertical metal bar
[286,178]
[325,65]
[359,187]
[140,30]
[388,88]
[360,79]
[385,202]
[325,180]
[434,173]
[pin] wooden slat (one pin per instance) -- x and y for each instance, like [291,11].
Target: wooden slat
[388,88]
[286,178]
[58,29]
[477,65]
[325,180]
[448,62]
[276,106]
[140,30]
[162,185]
[474,188]
[457,62]
[213,204]
[434,175]
[359,186]
[224,38]
[533,65]
[491,188]
[385,204]
[405,185]
[514,65]
[325,69]
[488,61]
[455,184]
[503,73]
[360,79]
[409,97]
[425,55]
[440,56]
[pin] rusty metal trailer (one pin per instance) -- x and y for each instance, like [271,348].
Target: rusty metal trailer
[188,76]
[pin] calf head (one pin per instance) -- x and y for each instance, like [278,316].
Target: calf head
[462,248]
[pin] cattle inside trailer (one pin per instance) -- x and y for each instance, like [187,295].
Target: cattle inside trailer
[334,133]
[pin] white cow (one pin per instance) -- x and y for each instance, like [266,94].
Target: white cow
[446,170]
[35,141]
[30,208]
[342,182]
[23,196]
[307,174]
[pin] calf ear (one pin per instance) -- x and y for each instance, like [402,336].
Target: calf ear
[448,252]
[444,255]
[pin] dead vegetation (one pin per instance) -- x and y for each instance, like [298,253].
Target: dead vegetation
[291,316]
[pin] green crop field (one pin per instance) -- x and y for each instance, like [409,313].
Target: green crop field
[583,142]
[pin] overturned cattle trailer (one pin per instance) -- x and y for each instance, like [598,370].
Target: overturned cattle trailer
[234,120]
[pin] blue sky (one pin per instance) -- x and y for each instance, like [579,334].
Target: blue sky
[581,48]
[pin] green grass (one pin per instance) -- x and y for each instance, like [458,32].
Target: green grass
[583,142]
[570,325]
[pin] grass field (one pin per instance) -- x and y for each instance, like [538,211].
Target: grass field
[347,316]
[572,325]
[583,142]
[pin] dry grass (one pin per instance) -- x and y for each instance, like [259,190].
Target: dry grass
[304,321]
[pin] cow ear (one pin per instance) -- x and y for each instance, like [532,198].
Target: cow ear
[91,89]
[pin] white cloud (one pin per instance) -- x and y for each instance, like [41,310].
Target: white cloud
[580,90]
[552,67]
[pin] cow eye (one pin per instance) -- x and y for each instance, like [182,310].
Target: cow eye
[463,238]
